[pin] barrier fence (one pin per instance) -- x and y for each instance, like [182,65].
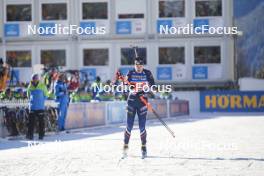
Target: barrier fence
[81,115]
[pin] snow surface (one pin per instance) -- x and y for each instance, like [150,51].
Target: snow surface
[215,145]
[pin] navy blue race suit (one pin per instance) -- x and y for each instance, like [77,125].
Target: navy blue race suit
[135,105]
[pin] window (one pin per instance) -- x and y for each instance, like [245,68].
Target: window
[94,10]
[168,9]
[208,8]
[18,58]
[136,15]
[57,11]
[130,9]
[128,55]
[171,55]
[53,58]
[207,55]
[18,12]
[95,57]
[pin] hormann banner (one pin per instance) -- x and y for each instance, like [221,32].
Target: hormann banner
[232,101]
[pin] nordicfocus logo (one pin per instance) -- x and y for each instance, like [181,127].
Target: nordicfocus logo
[58,29]
[139,87]
[190,29]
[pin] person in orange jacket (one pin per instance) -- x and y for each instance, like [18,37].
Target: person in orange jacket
[4,75]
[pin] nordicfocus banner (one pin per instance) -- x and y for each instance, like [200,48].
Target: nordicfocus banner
[232,101]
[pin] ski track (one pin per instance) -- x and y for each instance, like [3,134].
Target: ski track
[226,146]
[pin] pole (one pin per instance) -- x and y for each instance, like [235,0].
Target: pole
[157,116]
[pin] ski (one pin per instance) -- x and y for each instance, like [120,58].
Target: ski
[144,155]
[143,151]
[124,156]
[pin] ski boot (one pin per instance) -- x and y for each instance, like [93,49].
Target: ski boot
[125,149]
[144,151]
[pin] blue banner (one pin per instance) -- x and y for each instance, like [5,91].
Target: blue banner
[200,23]
[89,26]
[200,72]
[123,27]
[232,101]
[164,24]
[91,73]
[47,29]
[11,30]
[164,73]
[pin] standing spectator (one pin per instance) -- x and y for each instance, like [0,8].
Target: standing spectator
[4,75]
[10,117]
[95,87]
[62,97]
[37,93]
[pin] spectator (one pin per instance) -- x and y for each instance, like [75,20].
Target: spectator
[37,93]
[62,97]
[95,87]
[19,94]
[4,75]
[10,115]
[73,81]
[6,95]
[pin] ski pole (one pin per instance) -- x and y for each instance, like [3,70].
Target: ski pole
[157,116]
[135,50]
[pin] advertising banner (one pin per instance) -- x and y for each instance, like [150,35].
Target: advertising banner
[232,101]
[164,73]
[123,27]
[200,72]
[11,30]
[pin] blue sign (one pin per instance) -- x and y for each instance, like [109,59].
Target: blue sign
[232,101]
[116,112]
[123,27]
[88,27]
[200,72]
[124,70]
[164,73]
[199,23]
[47,28]
[11,30]
[91,73]
[163,24]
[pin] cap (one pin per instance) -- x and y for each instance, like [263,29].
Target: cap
[139,61]
[34,77]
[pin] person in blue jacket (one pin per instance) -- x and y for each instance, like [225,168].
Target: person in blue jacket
[62,97]
[37,93]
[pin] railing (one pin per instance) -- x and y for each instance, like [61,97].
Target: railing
[14,114]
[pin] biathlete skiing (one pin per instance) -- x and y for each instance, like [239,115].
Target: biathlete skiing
[137,77]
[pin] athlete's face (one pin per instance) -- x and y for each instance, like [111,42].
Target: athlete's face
[139,67]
